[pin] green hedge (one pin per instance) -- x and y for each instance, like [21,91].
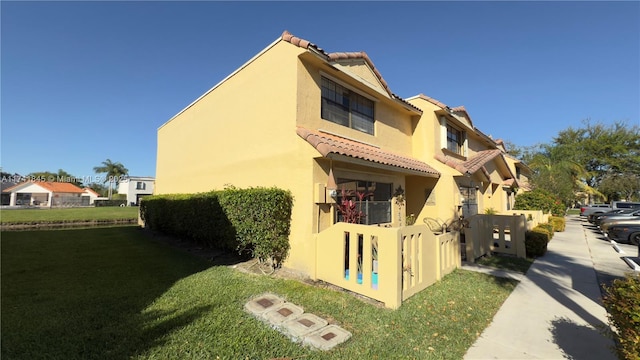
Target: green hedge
[558,223]
[536,240]
[548,227]
[99,203]
[254,220]
[622,301]
[539,199]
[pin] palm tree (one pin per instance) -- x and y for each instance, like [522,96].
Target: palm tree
[557,172]
[113,173]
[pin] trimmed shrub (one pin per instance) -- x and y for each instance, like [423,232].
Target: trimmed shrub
[622,301]
[558,223]
[548,227]
[254,220]
[535,241]
[539,199]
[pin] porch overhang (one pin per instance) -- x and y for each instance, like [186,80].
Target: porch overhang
[355,152]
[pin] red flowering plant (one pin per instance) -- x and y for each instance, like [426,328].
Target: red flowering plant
[349,209]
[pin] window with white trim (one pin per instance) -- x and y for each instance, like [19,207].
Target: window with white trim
[141,185]
[345,107]
[455,140]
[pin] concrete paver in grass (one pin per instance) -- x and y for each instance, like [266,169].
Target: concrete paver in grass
[263,303]
[292,321]
[303,324]
[282,313]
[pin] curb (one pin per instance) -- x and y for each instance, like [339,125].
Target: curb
[628,259]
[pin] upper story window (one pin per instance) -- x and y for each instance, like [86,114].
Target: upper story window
[141,185]
[455,140]
[345,107]
[518,172]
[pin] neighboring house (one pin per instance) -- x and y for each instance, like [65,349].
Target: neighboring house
[136,187]
[92,196]
[314,123]
[6,195]
[46,194]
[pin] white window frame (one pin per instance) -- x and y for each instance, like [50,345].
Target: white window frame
[444,143]
[356,92]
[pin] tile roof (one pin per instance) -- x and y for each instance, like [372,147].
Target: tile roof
[458,109]
[90,190]
[58,187]
[331,144]
[336,56]
[461,109]
[433,101]
[62,187]
[472,165]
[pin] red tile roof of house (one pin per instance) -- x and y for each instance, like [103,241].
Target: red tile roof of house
[434,101]
[336,56]
[90,190]
[472,165]
[332,144]
[58,187]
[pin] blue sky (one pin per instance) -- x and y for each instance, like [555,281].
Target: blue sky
[85,81]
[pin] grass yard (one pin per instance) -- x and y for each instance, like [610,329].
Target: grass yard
[507,262]
[114,293]
[31,216]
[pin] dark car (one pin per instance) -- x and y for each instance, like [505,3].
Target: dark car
[592,218]
[625,233]
[599,218]
[607,223]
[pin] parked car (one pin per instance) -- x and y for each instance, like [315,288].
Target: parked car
[599,218]
[618,219]
[587,210]
[624,205]
[628,232]
[592,217]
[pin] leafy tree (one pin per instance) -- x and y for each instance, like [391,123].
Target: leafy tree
[556,172]
[114,172]
[60,176]
[595,159]
[603,150]
[101,189]
[621,186]
[539,199]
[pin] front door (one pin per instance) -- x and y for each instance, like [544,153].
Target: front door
[469,201]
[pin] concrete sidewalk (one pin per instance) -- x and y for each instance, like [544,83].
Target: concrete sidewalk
[555,312]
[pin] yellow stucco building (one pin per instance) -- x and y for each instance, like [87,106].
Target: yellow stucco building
[299,118]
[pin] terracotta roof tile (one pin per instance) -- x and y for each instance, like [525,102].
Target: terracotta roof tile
[335,56]
[471,165]
[59,187]
[90,190]
[331,144]
[434,101]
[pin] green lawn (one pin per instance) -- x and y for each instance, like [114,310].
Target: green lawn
[30,216]
[507,262]
[113,293]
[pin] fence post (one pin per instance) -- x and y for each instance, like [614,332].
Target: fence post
[521,229]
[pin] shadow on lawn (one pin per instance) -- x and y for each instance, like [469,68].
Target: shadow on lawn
[83,293]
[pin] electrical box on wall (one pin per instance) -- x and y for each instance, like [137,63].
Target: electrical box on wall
[323,195]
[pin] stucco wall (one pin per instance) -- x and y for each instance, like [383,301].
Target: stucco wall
[393,125]
[243,133]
